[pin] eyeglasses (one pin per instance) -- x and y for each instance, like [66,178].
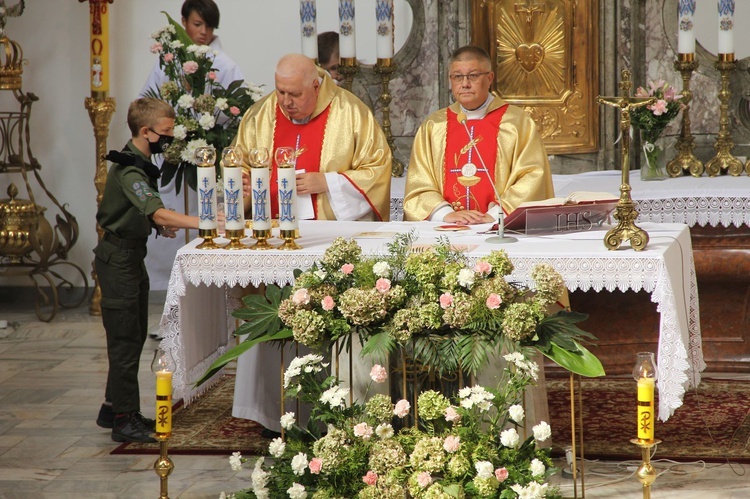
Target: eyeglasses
[473,77]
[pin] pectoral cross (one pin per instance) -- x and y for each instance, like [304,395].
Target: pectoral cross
[625,213]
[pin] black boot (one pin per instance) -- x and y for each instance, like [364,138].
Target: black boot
[131,428]
[106,416]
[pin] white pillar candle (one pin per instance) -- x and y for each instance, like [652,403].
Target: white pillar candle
[726,26]
[685,32]
[260,178]
[384,27]
[347,44]
[207,198]
[287,182]
[309,24]
[233,205]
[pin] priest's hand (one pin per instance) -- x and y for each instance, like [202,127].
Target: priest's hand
[311,183]
[468,217]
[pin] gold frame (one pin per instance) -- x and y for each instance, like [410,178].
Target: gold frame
[545,55]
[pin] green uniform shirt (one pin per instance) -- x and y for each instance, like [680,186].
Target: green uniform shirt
[130,198]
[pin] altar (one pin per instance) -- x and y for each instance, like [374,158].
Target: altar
[205,286]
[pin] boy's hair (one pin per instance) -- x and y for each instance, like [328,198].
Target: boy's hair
[327,43]
[146,111]
[470,53]
[207,9]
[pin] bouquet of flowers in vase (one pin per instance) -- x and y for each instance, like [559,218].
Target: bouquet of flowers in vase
[652,119]
[466,447]
[207,113]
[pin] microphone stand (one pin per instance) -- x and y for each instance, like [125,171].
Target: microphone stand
[500,238]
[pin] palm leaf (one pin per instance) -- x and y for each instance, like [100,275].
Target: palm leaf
[380,346]
[474,352]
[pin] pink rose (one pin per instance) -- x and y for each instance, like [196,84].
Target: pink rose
[301,297]
[501,474]
[483,267]
[446,300]
[451,414]
[156,48]
[212,75]
[234,110]
[424,479]
[347,268]
[494,301]
[378,373]
[315,465]
[402,408]
[451,443]
[190,67]
[327,303]
[371,478]
[363,431]
[168,57]
[383,285]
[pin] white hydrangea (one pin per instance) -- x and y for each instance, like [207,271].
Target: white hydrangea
[186,101]
[484,469]
[207,121]
[516,413]
[466,277]
[287,420]
[299,463]
[180,132]
[537,468]
[381,269]
[510,438]
[297,491]
[277,447]
[542,431]
[235,461]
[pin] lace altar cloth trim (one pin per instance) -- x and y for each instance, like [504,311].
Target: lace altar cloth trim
[713,211]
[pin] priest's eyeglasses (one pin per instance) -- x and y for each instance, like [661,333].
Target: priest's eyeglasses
[472,77]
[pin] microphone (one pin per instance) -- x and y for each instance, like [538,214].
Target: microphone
[501,237]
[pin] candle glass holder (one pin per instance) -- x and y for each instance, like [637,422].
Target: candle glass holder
[349,68]
[385,68]
[259,159]
[205,157]
[685,161]
[232,160]
[645,374]
[724,161]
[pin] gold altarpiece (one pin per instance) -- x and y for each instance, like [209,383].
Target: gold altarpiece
[545,55]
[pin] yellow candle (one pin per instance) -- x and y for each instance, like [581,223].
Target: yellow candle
[99,63]
[646,418]
[164,402]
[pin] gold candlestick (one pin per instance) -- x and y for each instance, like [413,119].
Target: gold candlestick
[685,161]
[208,236]
[646,473]
[262,236]
[385,69]
[234,239]
[289,237]
[349,68]
[724,161]
[163,467]
[625,213]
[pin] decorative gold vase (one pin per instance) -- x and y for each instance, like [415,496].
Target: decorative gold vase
[19,220]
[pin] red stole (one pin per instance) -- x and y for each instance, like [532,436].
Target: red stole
[307,140]
[458,153]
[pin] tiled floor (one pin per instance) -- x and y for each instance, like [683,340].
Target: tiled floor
[51,385]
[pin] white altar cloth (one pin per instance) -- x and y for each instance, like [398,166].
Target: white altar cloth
[197,326]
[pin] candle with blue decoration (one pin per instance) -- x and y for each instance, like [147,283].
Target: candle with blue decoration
[726,26]
[686,33]
[205,158]
[287,185]
[347,42]
[384,28]
[308,17]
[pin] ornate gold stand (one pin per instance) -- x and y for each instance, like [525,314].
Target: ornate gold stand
[349,68]
[646,473]
[262,237]
[234,239]
[289,237]
[724,161]
[385,69]
[163,466]
[100,111]
[208,236]
[625,213]
[685,161]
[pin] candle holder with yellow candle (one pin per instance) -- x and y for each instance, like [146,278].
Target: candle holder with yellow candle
[234,207]
[288,222]
[205,158]
[260,178]
[163,366]
[645,374]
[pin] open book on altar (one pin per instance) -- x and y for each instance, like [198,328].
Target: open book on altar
[578,211]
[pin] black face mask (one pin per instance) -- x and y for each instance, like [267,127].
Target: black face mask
[161,145]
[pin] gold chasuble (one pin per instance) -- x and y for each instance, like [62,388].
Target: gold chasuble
[519,164]
[349,142]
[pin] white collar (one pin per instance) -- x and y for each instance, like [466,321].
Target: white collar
[480,112]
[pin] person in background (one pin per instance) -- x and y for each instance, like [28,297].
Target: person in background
[328,54]
[445,181]
[130,209]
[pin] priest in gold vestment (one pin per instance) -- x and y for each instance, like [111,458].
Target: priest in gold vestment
[446,180]
[339,145]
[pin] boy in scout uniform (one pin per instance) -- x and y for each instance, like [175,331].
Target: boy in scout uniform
[129,210]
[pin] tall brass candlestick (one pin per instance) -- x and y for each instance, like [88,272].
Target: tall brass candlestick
[349,68]
[685,161]
[724,160]
[385,69]
[625,213]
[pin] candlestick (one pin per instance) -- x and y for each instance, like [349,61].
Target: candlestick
[308,20]
[645,472]
[645,374]
[99,47]
[724,160]
[384,27]
[685,161]
[261,199]
[385,69]
[163,366]
[205,157]
[726,26]
[347,42]
[234,208]
[349,68]
[685,32]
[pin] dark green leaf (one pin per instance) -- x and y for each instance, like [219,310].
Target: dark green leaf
[379,345]
[581,362]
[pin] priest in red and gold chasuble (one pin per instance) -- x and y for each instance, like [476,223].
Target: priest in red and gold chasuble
[446,181]
[338,137]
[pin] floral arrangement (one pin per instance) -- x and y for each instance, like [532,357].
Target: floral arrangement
[466,447]
[654,118]
[207,113]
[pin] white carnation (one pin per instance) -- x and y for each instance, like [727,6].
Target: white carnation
[533,490]
[537,468]
[207,121]
[297,491]
[254,91]
[509,438]
[335,396]
[299,463]
[277,447]
[180,132]
[188,154]
[381,269]
[185,101]
[221,103]
[466,277]
[260,479]
[542,431]
[320,274]
[484,469]
[176,44]
[516,413]
[287,420]
[235,461]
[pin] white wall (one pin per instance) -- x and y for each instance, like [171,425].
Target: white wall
[55,39]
